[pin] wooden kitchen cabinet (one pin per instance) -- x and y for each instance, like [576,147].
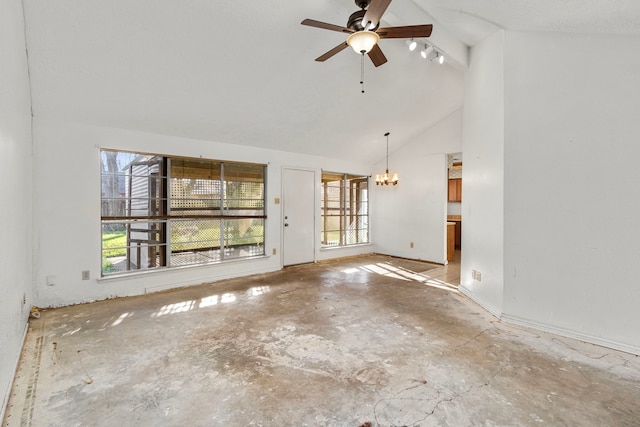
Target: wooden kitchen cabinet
[457,219]
[455,190]
[451,238]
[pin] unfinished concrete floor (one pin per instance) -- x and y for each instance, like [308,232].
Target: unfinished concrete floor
[372,339]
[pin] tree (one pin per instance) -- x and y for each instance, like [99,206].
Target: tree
[112,204]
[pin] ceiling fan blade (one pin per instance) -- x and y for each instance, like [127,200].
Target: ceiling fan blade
[377,57]
[332,52]
[406,32]
[325,26]
[375,10]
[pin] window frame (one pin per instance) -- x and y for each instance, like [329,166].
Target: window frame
[166,210]
[352,198]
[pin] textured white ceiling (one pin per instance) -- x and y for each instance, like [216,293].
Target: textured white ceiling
[244,72]
[473,20]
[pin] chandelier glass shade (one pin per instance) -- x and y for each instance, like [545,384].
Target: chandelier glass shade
[386,178]
[363,41]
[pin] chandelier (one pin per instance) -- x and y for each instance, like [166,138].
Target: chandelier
[385,179]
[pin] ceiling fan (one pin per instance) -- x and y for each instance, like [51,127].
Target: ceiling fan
[364,32]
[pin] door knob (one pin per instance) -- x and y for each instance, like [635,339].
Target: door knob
[286,224]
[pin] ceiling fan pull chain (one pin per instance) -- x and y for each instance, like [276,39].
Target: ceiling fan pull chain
[362,71]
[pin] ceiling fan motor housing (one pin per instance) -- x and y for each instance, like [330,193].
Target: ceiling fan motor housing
[355,20]
[363,37]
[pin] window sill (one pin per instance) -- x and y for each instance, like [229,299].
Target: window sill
[333,248]
[137,274]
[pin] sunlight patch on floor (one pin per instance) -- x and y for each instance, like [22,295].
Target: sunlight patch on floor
[204,302]
[120,319]
[376,268]
[178,307]
[400,273]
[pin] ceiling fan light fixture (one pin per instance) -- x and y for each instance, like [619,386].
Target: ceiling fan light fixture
[412,45]
[439,58]
[363,41]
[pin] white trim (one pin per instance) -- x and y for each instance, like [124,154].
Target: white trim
[209,280]
[572,334]
[333,248]
[491,309]
[134,274]
[5,401]
[507,318]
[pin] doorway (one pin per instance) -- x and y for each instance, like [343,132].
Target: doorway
[454,207]
[298,213]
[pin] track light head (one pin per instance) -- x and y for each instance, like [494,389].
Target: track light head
[439,58]
[412,45]
[427,51]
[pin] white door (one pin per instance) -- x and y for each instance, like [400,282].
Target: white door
[298,205]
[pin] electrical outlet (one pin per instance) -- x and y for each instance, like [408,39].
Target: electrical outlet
[476,275]
[51,280]
[411,245]
[85,274]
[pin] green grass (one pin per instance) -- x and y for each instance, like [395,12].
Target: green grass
[114,244]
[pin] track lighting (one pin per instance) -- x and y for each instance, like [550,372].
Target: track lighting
[427,51]
[438,58]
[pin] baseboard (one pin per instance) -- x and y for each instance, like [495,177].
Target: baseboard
[603,342]
[5,400]
[245,274]
[473,297]
[411,259]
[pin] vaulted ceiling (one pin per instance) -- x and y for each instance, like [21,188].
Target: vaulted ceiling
[244,72]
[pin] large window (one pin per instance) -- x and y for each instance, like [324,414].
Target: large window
[345,209]
[162,211]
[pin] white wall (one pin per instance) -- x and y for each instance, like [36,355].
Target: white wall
[572,240]
[454,208]
[67,210]
[415,210]
[15,193]
[482,175]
